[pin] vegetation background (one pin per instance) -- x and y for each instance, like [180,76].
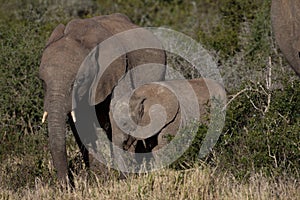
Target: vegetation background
[258,154]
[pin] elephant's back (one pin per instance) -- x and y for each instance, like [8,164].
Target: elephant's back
[143,46]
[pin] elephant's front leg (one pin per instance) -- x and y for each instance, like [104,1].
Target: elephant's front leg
[92,140]
[123,153]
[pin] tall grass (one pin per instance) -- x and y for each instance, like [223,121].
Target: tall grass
[197,183]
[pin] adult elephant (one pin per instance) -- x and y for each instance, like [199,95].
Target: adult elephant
[65,50]
[285,16]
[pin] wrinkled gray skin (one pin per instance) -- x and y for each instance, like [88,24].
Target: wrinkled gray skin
[285,16]
[65,50]
[182,100]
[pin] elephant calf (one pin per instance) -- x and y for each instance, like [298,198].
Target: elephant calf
[143,120]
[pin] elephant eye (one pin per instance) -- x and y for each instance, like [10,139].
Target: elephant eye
[299,54]
[78,81]
[75,83]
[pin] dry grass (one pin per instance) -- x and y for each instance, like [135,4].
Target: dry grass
[195,183]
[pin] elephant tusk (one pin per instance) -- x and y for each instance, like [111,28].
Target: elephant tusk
[144,143]
[44,117]
[73,116]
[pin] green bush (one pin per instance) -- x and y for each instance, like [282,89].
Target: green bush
[234,15]
[21,96]
[261,135]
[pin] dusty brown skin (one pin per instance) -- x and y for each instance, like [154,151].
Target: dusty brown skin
[150,94]
[285,16]
[64,52]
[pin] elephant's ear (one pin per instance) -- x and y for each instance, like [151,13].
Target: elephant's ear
[93,81]
[104,86]
[57,34]
[109,71]
[146,98]
[285,16]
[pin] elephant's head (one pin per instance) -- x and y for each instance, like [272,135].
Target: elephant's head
[285,16]
[63,55]
[145,111]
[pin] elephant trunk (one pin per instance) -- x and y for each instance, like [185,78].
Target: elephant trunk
[57,136]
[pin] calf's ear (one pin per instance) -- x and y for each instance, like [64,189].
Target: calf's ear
[149,95]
